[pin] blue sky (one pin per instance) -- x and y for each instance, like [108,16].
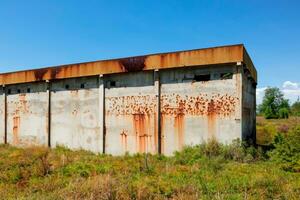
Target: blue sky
[36,33]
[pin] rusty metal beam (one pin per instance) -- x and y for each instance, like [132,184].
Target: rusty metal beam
[198,57]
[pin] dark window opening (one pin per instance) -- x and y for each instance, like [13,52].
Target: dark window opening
[9,91]
[28,90]
[203,77]
[224,76]
[19,91]
[113,83]
[67,86]
[82,85]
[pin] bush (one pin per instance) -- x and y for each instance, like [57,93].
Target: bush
[236,151]
[295,109]
[283,113]
[212,148]
[286,150]
[266,134]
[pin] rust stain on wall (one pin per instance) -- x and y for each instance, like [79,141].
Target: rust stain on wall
[142,110]
[162,133]
[129,105]
[23,104]
[143,107]
[16,125]
[211,119]
[155,132]
[174,104]
[212,107]
[141,124]
[74,93]
[179,127]
[124,135]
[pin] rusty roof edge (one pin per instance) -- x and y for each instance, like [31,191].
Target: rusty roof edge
[196,57]
[249,64]
[120,58]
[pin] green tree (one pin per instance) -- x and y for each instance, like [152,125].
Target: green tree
[295,108]
[274,104]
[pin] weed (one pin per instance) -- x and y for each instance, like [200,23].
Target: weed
[206,171]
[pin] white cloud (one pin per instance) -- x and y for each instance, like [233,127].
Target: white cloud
[291,91]
[290,85]
[260,92]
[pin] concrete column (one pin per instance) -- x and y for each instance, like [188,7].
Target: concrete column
[254,116]
[102,111]
[49,111]
[239,92]
[5,114]
[158,125]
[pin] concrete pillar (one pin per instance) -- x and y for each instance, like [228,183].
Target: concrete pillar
[102,111]
[49,111]
[157,123]
[239,92]
[5,114]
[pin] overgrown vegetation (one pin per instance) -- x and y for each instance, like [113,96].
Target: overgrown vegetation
[282,137]
[207,171]
[286,150]
[267,129]
[295,108]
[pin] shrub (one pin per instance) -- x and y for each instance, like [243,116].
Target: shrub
[284,128]
[266,134]
[286,150]
[212,148]
[189,155]
[234,151]
[283,113]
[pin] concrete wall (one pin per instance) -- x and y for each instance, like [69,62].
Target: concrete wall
[75,114]
[27,114]
[131,112]
[249,107]
[194,112]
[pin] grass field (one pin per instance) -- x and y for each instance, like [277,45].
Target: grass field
[209,171]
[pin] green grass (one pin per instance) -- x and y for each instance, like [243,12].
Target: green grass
[210,171]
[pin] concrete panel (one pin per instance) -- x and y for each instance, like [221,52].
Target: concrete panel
[2,118]
[249,107]
[75,114]
[130,106]
[193,112]
[27,114]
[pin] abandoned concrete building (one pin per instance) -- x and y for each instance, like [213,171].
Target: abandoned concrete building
[155,103]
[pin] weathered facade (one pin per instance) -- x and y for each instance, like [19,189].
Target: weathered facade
[155,103]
